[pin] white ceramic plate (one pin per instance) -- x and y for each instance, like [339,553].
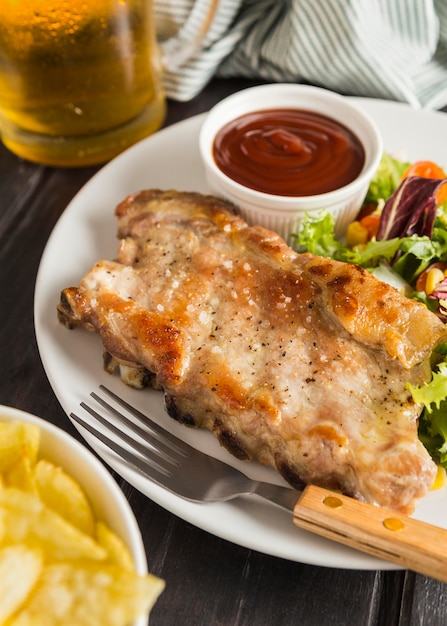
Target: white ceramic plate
[107,499]
[85,233]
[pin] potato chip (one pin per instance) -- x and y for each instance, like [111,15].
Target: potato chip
[58,564]
[61,493]
[117,551]
[21,474]
[2,526]
[26,519]
[17,438]
[88,595]
[20,568]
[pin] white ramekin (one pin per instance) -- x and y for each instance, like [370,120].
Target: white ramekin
[283,214]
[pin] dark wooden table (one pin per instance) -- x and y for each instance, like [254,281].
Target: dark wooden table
[209,581]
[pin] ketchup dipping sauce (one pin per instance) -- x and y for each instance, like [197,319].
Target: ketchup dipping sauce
[288,152]
[283,151]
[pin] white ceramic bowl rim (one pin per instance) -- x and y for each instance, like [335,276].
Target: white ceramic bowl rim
[285,95]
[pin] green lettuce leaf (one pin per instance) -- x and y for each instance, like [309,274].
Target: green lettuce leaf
[317,235]
[416,254]
[373,252]
[434,392]
[433,421]
[433,435]
[386,179]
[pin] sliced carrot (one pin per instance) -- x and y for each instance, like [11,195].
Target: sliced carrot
[371,223]
[426,169]
[429,169]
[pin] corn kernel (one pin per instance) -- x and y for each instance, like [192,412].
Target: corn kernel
[356,234]
[434,277]
[440,479]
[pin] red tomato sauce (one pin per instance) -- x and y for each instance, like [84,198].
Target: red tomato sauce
[288,152]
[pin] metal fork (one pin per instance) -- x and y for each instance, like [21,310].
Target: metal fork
[178,467]
[172,463]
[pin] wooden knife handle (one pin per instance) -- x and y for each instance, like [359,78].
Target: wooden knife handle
[383,533]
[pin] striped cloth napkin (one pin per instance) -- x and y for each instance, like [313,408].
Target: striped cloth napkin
[390,49]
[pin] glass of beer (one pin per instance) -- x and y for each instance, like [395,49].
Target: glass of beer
[80,80]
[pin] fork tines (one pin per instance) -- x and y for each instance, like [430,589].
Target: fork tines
[156,447]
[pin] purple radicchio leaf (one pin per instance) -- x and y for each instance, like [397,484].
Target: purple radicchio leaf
[440,294]
[411,209]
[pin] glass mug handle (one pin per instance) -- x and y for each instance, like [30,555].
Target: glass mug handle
[179,47]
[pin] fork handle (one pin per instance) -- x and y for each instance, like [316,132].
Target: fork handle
[383,533]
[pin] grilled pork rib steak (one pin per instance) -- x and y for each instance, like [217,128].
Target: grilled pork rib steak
[297,361]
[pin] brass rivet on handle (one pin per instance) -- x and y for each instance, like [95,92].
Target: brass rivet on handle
[333,502]
[391,523]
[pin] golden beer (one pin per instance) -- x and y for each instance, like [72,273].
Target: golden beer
[80,80]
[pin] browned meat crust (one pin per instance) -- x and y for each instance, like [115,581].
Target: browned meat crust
[297,361]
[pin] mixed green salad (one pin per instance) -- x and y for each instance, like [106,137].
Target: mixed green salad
[400,235]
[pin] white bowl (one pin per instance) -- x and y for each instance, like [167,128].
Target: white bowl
[283,214]
[106,498]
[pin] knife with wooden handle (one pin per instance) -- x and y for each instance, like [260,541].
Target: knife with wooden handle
[403,540]
[388,535]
